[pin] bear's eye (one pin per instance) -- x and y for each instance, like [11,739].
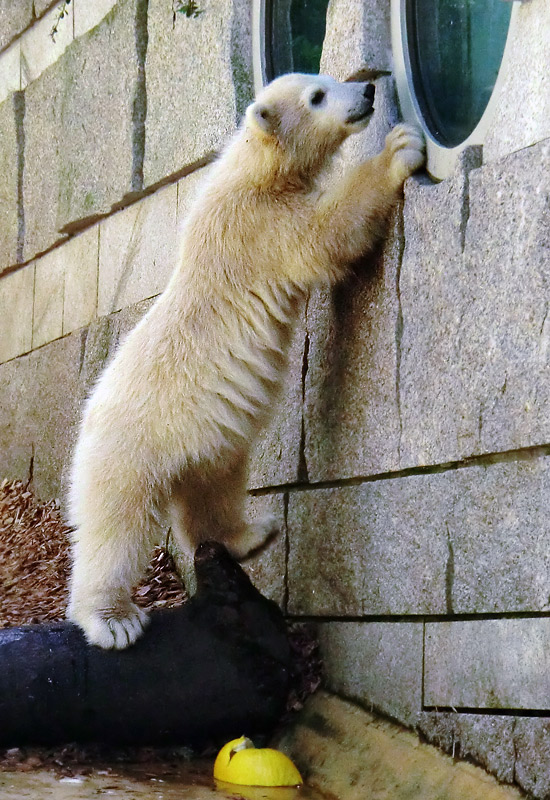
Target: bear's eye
[317,97]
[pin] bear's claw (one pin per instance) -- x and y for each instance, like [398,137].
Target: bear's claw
[112,631]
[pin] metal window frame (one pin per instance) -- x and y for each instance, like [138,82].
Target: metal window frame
[259,39]
[441,160]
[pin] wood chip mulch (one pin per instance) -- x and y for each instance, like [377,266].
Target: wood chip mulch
[35,562]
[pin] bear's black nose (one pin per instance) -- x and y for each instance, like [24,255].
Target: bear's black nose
[369,91]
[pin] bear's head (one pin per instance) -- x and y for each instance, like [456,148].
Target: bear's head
[307,117]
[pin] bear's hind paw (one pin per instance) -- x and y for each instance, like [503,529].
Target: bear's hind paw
[112,631]
[256,535]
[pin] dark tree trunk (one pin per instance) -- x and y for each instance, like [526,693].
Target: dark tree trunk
[214,669]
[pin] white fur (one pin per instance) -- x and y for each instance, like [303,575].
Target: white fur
[170,424]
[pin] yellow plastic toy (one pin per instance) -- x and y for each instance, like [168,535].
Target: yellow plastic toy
[239,762]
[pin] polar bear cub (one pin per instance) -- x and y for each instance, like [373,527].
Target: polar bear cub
[170,424]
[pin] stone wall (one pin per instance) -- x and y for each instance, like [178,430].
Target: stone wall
[409,460]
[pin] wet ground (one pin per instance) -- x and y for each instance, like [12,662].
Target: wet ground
[190,781]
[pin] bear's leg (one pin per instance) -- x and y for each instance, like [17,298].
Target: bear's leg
[209,504]
[109,558]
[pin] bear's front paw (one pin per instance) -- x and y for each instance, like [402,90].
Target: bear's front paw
[113,629]
[406,148]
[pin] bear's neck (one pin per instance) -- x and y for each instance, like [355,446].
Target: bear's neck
[264,166]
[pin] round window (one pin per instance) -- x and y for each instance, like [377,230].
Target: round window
[448,55]
[288,37]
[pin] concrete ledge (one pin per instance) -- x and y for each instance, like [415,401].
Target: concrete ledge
[350,754]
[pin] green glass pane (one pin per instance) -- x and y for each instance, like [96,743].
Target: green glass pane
[295,33]
[455,48]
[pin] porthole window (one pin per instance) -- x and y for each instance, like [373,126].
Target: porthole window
[288,37]
[448,56]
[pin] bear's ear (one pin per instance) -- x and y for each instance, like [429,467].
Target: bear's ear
[262,117]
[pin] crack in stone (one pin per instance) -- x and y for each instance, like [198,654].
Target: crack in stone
[19,114]
[399,329]
[139,106]
[303,472]
[286,589]
[449,573]
[471,158]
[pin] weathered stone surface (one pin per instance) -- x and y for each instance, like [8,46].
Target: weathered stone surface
[473,367]
[378,664]
[357,38]
[101,157]
[474,540]
[49,282]
[199,81]
[503,663]
[10,70]
[84,128]
[14,18]
[81,266]
[351,754]
[39,411]
[484,738]
[39,49]
[16,310]
[532,745]
[87,15]
[65,288]
[41,174]
[138,250]
[8,185]
[370,549]
[16,439]
[522,115]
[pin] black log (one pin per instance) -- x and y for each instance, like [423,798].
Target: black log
[204,673]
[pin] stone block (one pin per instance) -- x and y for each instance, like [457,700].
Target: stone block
[532,748]
[378,664]
[14,18]
[16,312]
[39,49]
[87,15]
[522,115]
[473,372]
[54,411]
[345,752]
[364,550]
[9,185]
[81,266]
[101,154]
[486,739]
[488,664]
[468,541]
[49,287]
[43,142]
[199,81]
[16,438]
[138,250]
[10,70]
[41,394]
[357,38]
